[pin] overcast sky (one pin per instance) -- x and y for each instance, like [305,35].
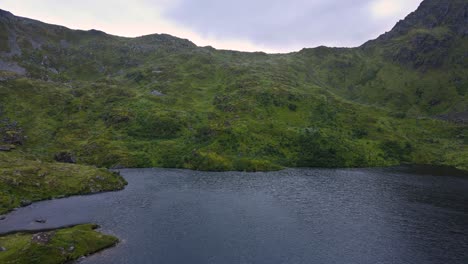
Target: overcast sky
[248,25]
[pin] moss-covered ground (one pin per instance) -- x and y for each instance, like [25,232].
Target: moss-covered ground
[53,247]
[23,181]
[265,127]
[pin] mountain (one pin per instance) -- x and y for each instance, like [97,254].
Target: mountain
[419,68]
[107,101]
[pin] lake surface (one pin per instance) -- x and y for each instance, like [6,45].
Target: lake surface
[397,215]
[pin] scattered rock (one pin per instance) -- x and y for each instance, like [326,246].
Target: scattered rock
[62,250]
[65,157]
[53,70]
[2,217]
[99,178]
[2,249]
[460,117]
[157,93]
[6,148]
[43,238]
[71,249]
[40,221]
[25,202]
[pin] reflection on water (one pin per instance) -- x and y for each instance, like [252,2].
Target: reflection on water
[397,215]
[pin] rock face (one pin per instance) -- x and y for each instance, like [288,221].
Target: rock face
[35,49]
[452,14]
[65,157]
[425,37]
[12,67]
[11,133]
[165,40]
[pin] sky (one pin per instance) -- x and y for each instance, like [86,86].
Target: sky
[247,25]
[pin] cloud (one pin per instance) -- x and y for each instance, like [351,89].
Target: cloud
[392,8]
[293,24]
[267,25]
[116,16]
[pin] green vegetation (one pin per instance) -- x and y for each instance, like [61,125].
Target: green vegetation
[53,247]
[103,101]
[162,101]
[23,181]
[256,129]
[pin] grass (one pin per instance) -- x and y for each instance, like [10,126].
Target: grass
[53,247]
[260,127]
[23,181]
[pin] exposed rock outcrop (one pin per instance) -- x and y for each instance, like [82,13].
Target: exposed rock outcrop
[11,133]
[43,238]
[65,157]
[425,37]
[461,118]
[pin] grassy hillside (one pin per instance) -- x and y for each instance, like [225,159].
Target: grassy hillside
[162,101]
[121,124]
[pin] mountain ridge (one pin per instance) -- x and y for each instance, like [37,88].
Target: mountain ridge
[158,100]
[430,14]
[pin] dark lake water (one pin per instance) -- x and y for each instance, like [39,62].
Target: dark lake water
[397,215]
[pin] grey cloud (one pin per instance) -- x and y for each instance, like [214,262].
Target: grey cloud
[276,24]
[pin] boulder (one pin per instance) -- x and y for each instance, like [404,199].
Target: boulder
[43,238]
[157,93]
[25,202]
[6,147]
[11,133]
[65,157]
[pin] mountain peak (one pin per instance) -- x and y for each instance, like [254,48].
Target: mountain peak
[429,37]
[452,14]
[5,13]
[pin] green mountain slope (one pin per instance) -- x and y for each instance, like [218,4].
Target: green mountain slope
[162,101]
[418,68]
